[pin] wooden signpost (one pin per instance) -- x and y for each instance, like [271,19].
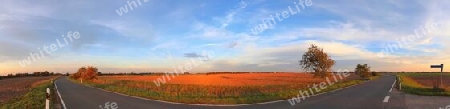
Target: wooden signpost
[442,69]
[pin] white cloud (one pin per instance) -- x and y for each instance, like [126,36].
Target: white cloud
[20,10]
[289,55]
[225,21]
[129,28]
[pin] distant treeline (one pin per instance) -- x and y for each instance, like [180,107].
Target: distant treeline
[416,72]
[132,73]
[46,73]
[185,73]
[214,73]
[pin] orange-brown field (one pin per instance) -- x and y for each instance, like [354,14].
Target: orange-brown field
[14,87]
[425,83]
[229,79]
[217,88]
[433,80]
[429,81]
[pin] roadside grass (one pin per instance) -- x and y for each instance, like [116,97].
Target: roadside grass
[409,85]
[342,85]
[34,99]
[375,77]
[208,94]
[423,74]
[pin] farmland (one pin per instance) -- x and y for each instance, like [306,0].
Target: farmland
[229,79]
[14,87]
[217,88]
[426,83]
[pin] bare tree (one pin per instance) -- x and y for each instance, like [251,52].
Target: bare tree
[363,70]
[315,59]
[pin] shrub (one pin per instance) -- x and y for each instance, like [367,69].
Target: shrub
[363,70]
[75,75]
[84,73]
[374,73]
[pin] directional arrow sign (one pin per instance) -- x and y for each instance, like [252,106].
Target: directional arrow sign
[436,66]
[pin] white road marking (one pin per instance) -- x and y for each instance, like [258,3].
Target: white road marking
[62,101]
[386,99]
[390,90]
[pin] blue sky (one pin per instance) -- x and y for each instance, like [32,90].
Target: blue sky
[159,34]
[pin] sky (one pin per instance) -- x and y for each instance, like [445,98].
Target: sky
[220,35]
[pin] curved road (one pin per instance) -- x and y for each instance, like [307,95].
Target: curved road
[369,95]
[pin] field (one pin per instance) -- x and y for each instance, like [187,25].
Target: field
[15,87]
[426,83]
[217,88]
[25,92]
[229,79]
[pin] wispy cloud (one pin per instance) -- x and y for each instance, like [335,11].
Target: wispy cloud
[225,21]
[192,55]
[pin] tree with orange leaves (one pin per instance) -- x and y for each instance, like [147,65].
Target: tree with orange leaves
[315,59]
[84,73]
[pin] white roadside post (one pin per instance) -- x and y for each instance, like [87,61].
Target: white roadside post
[47,100]
[81,77]
[400,79]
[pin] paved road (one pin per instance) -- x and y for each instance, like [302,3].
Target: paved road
[365,96]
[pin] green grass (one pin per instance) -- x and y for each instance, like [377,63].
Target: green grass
[34,99]
[409,85]
[204,94]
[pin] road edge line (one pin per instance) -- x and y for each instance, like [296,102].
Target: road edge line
[386,99]
[57,91]
[390,90]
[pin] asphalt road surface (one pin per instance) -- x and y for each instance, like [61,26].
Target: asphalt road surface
[369,95]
